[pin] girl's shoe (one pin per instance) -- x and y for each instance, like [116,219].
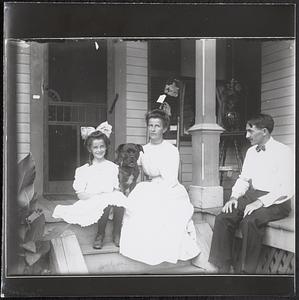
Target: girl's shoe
[98,242]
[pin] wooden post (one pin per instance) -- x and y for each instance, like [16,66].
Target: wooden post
[205,191]
[66,255]
[38,105]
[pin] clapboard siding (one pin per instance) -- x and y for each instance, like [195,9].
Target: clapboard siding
[135,139]
[136,114]
[278,92]
[285,120]
[137,131]
[23,78]
[138,105]
[281,111]
[282,73]
[284,129]
[23,48]
[278,102]
[137,45]
[23,88]
[278,88]
[277,56]
[136,79]
[24,137]
[186,164]
[136,91]
[137,96]
[279,83]
[22,127]
[136,52]
[136,122]
[23,58]
[22,118]
[136,87]
[22,68]
[186,158]
[279,65]
[136,70]
[23,108]
[137,61]
[23,99]
[272,47]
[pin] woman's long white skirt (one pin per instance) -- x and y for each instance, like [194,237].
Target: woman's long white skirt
[157,225]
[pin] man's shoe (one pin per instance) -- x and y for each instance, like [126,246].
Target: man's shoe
[226,269]
[98,242]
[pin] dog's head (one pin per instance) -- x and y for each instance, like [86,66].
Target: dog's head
[128,154]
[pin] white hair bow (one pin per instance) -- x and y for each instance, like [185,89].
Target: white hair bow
[104,127]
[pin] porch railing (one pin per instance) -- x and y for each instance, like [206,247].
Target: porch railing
[76,112]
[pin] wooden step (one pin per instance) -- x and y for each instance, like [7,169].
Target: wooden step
[115,263]
[108,260]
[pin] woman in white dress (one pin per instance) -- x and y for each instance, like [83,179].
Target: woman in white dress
[96,185]
[157,225]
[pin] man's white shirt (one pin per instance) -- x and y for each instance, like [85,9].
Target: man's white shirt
[270,170]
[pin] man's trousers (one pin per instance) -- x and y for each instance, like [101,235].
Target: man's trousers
[252,227]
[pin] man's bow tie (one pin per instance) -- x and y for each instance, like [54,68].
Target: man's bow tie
[259,148]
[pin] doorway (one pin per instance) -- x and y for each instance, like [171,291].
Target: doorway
[76,96]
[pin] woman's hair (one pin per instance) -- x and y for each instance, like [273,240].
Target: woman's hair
[158,114]
[96,135]
[261,121]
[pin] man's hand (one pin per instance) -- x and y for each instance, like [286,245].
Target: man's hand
[229,205]
[252,207]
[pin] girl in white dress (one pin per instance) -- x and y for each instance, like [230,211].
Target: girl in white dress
[157,225]
[96,185]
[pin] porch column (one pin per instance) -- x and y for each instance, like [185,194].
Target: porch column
[205,191]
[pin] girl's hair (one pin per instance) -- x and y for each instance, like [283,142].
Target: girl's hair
[96,135]
[158,114]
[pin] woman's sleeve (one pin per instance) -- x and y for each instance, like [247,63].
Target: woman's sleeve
[169,168]
[80,181]
[115,178]
[139,161]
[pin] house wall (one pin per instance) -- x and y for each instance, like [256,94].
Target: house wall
[186,163]
[23,99]
[278,88]
[136,91]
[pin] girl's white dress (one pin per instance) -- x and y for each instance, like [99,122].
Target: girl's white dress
[157,225]
[100,179]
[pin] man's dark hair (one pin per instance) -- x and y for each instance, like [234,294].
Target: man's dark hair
[261,121]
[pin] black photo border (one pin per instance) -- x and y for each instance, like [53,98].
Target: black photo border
[254,19]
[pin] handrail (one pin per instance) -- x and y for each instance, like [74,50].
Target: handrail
[65,103]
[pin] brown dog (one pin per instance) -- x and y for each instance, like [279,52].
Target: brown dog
[126,157]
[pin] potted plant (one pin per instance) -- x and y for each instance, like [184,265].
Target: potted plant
[34,242]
